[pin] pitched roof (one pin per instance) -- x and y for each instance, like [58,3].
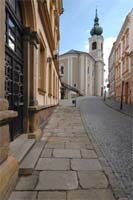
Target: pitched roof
[73,51]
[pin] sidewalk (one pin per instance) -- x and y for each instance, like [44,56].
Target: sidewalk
[68,167]
[127,109]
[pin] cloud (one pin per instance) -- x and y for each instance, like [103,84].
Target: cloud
[86,46]
[108,43]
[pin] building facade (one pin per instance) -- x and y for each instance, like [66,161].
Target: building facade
[29,74]
[122,62]
[82,70]
[111,76]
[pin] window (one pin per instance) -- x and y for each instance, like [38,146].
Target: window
[123,43]
[42,66]
[50,80]
[127,39]
[94,45]
[62,69]
[14,27]
[54,85]
[11,34]
[102,46]
[127,63]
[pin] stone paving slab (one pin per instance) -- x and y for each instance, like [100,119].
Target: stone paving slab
[57,180]
[27,195]
[64,134]
[58,139]
[88,153]
[28,164]
[20,146]
[92,180]
[53,164]
[56,145]
[90,195]
[66,153]
[78,134]
[52,196]
[78,145]
[104,194]
[47,153]
[85,164]
[84,140]
[81,195]
[27,182]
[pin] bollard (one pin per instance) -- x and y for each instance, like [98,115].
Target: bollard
[74,102]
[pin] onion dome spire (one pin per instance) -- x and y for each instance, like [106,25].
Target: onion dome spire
[97,29]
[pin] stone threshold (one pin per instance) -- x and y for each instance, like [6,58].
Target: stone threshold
[21,146]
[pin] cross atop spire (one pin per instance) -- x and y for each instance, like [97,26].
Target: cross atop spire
[96,20]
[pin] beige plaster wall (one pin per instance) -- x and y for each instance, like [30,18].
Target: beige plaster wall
[75,73]
[43,99]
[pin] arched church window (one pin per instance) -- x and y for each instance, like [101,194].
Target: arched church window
[101,45]
[94,45]
[62,69]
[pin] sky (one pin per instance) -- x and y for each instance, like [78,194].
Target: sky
[78,19]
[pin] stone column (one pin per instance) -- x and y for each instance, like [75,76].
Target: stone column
[8,164]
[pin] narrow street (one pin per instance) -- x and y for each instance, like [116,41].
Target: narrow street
[67,167]
[112,133]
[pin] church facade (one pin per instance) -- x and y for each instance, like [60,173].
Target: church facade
[82,70]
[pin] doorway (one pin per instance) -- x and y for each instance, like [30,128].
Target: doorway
[14,64]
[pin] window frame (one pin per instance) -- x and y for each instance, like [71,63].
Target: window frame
[42,67]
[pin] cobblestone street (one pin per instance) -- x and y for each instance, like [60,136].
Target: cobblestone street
[68,167]
[112,132]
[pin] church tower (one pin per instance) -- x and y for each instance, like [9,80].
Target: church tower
[96,40]
[96,51]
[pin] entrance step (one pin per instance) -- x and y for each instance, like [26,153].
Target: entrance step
[20,147]
[28,164]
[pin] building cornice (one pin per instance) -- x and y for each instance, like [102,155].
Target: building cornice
[45,19]
[44,15]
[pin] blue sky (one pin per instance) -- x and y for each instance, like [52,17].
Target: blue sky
[78,19]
